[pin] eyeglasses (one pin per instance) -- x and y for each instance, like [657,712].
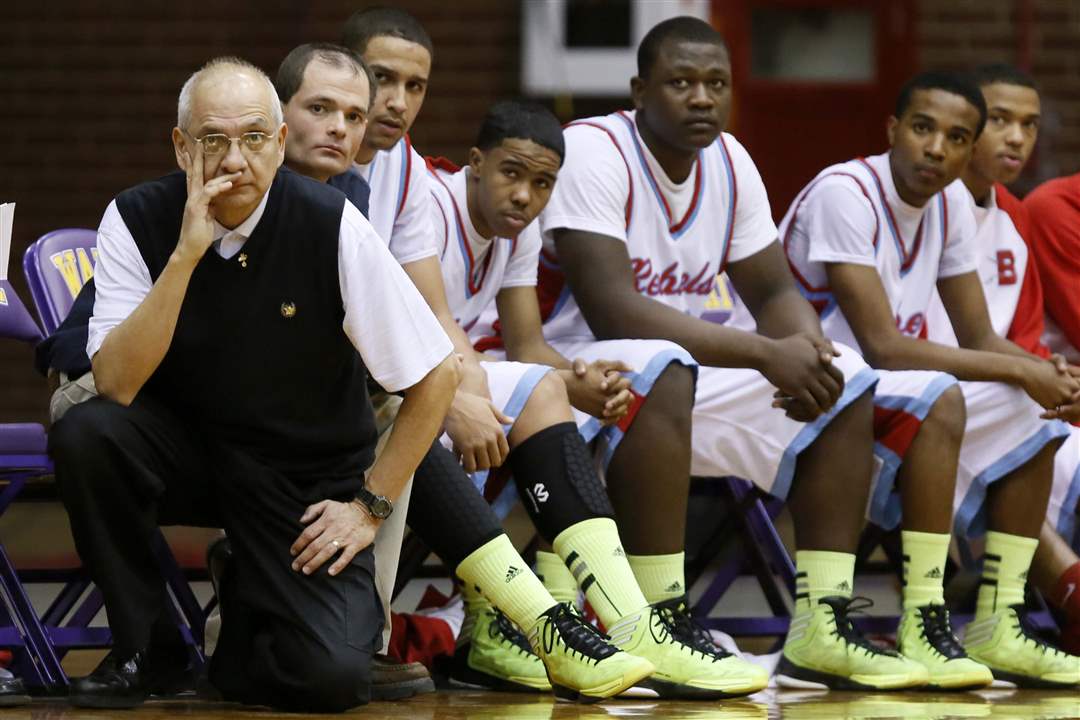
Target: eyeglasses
[219,143]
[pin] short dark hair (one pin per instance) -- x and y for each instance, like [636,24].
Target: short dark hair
[680,29]
[1002,73]
[954,83]
[373,22]
[290,73]
[522,120]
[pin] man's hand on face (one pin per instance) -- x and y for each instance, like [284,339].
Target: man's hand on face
[808,383]
[475,426]
[197,230]
[332,527]
[600,389]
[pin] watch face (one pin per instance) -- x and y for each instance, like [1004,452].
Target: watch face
[381,507]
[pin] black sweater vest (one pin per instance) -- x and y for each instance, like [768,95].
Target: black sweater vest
[259,360]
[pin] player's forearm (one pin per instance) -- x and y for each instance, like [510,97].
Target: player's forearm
[538,352]
[993,343]
[133,349]
[905,353]
[638,316]
[785,314]
[419,421]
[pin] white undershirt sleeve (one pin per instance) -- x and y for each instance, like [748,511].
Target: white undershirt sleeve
[122,280]
[593,187]
[413,237]
[523,265]
[958,256]
[840,223]
[386,318]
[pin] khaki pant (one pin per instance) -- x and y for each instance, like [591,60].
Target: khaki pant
[392,532]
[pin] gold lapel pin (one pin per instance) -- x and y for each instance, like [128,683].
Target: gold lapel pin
[243,259]
[288,309]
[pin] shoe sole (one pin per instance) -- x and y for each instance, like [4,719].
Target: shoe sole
[462,672]
[402,690]
[105,702]
[587,696]
[7,701]
[1029,683]
[805,678]
[677,691]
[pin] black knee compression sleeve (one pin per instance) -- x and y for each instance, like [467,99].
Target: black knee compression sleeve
[554,475]
[447,511]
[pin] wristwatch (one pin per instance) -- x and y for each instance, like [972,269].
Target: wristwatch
[379,506]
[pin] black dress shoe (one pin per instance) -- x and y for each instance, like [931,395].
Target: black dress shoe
[126,681]
[12,691]
[118,682]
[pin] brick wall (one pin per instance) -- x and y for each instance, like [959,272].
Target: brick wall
[88,90]
[89,99]
[1042,36]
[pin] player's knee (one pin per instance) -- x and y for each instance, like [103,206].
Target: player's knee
[947,416]
[550,393]
[671,399]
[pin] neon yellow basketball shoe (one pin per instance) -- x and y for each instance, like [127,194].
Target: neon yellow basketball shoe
[926,636]
[1003,642]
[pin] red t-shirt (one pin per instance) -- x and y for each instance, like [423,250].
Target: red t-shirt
[1053,219]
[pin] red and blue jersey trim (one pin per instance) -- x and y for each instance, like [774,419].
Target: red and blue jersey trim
[733,194]
[906,261]
[474,274]
[406,173]
[675,228]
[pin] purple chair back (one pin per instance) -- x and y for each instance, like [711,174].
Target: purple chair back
[16,322]
[57,265]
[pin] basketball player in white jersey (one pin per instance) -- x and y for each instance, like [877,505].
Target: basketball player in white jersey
[869,240]
[1014,297]
[484,217]
[649,207]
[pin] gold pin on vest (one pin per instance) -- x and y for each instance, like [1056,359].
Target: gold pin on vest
[288,309]
[242,257]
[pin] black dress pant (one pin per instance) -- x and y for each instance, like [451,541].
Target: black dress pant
[294,642]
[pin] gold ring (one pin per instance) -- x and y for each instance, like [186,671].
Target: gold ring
[336,543]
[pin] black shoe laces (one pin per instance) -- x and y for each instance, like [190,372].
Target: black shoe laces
[681,626]
[938,632]
[1027,633]
[502,629]
[842,607]
[570,629]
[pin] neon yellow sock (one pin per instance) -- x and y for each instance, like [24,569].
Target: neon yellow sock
[822,573]
[556,578]
[593,552]
[924,567]
[661,577]
[1005,568]
[496,570]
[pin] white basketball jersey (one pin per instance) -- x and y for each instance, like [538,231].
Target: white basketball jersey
[475,268]
[1002,257]
[399,207]
[851,213]
[611,185]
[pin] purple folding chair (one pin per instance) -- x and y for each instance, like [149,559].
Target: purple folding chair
[57,265]
[22,458]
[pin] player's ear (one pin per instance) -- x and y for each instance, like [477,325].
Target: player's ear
[637,91]
[890,129]
[476,159]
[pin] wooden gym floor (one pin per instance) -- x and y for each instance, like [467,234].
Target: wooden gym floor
[468,705]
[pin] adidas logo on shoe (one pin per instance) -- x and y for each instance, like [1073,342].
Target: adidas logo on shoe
[674,587]
[618,552]
[933,574]
[512,572]
[844,586]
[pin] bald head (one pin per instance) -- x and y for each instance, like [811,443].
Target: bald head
[226,79]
